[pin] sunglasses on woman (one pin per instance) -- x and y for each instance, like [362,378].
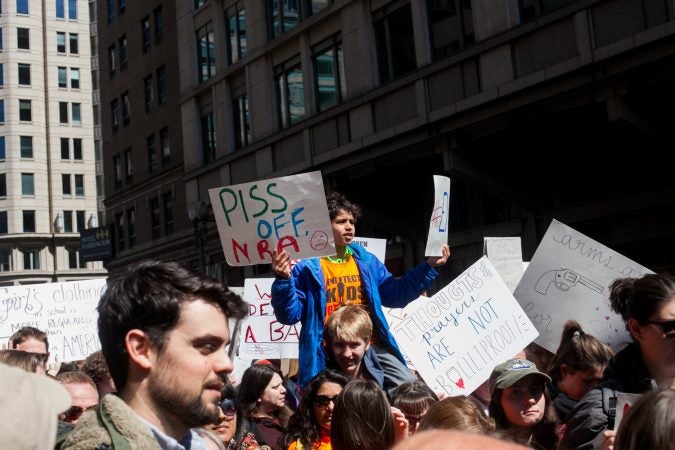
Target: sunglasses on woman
[229,407]
[322,401]
[667,327]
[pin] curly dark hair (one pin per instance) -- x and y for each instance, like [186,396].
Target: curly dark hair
[337,202]
[302,425]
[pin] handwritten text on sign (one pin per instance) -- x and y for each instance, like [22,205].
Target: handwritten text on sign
[262,336]
[456,337]
[568,278]
[440,216]
[284,214]
[65,311]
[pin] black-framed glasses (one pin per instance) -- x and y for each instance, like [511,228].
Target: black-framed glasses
[668,327]
[75,412]
[322,401]
[229,407]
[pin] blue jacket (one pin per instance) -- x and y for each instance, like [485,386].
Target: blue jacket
[302,298]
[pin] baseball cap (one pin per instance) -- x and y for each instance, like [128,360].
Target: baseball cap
[510,372]
[29,408]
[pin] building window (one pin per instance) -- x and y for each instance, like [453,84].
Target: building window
[146,34]
[242,124]
[2,74]
[131,226]
[63,77]
[155,222]
[199,3]
[3,185]
[161,85]
[22,6]
[147,90]
[123,51]
[451,26]
[236,32]
[165,145]
[77,149]
[167,202]
[72,9]
[60,42]
[126,109]
[76,109]
[285,15]
[5,259]
[79,185]
[112,60]
[117,164]
[3,222]
[119,229]
[206,58]
[290,93]
[329,72]
[115,115]
[65,150]
[68,221]
[530,9]
[24,74]
[2,148]
[152,154]
[73,43]
[2,110]
[31,259]
[74,78]
[60,9]
[121,6]
[395,42]
[65,184]
[111,11]
[27,184]
[74,261]
[158,16]
[23,38]
[128,165]
[28,221]
[26,144]
[80,220]
[25,111]
[63,112]
[208,138]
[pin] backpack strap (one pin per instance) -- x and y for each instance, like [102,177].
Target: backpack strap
[119,442]
[609,405]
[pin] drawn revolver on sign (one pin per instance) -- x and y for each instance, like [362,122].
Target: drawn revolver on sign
[564,279]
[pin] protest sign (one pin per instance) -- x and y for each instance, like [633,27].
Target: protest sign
[624,402]
[568,278]
[284,214]
[506,256]
[377,247]
[261,335]
[65,311]
[440,216]
[457,337]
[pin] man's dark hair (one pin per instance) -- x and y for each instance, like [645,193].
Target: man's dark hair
[26,333]
[96,367]
[337,202]
[149,297]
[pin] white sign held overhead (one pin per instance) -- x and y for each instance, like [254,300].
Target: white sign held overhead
[440,217]
[568,279]
[457,337]
[506,255]
[284,214]
[377,247]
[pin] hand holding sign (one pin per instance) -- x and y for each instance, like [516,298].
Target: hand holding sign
[435,261]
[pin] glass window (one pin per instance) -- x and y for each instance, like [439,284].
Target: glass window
[65,149]
[242,124]
[111,11]
[77,118]
[3,222]
[74,261]
[152,153]
[2,74]
[23,38]
[80,220]
[165,145]
[158,16]
[68,221]
[161,85]
[131,226]
[60,9]
[112,60]
[530,9]
[27,184]
[60,42]
[119,228]
[31,259]
[208,138]
[126,109]
[206,58]
[155,221]
[2,110]
[147,90]
[329,75]
[115,115]
[73,43]
[74,78]
[128,165]
[26,144]
[77,149]
[65,184]
[79,185]
[25,111]
[199,3]
[146,34]
[28,221]
[395,43]
[63,77]
[2,147]
[5,256]
[167,201]
[290,94]
[451,26]
[24,74]
[22,6]
[117,164]
[63,112]
[285,15]
[121,6]
[236,33]
[123,51]
[3,185]
[72,9]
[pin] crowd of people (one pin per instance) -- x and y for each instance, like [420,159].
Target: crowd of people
[161,379]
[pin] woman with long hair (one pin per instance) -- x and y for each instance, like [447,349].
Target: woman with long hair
[647,307]
[520,405]
[309,428]
[414,399]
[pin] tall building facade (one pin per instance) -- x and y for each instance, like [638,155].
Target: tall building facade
[47,182]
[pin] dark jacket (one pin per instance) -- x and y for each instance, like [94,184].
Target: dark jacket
[302,298]
[626,372]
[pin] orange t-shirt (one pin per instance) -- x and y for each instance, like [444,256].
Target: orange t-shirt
[343,284]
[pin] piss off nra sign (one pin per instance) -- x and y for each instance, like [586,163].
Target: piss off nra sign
[96,244]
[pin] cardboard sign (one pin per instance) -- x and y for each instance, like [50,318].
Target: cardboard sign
[440,217]
[262,336]
[506,255]
[624,402]
[377,247]
[457,337]
[65,311]
[284,214]
[568,278]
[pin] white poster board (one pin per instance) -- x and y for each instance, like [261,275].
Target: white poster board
[262,336]
[65,311]
[440,217]
[506,255]
[624,402]
[568,278]
[457,337]
[284,214]
[377,247]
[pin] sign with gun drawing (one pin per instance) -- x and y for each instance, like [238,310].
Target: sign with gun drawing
[569,278]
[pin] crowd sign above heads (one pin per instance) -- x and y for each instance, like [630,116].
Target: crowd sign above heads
[440,217]
[284,214]
[568,279]
[457,337]
[506,256]
[65,311]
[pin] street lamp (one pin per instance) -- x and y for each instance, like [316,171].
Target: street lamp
[200,215]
